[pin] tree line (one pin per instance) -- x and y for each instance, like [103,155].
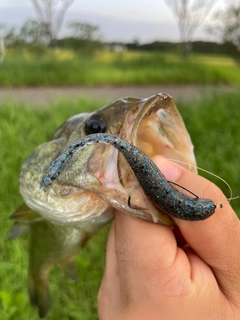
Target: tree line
[32,35]
[208,47]
[86,38]
[43,32]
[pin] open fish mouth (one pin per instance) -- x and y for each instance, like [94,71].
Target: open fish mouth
[159,130]
[98,178]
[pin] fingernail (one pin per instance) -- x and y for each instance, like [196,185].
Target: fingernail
[169,170]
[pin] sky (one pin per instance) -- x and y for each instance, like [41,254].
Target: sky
[118,20]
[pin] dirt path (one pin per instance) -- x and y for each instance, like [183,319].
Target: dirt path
[44,96]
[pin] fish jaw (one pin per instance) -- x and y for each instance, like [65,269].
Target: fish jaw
[97,174]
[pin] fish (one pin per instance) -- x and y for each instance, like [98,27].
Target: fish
[99,180]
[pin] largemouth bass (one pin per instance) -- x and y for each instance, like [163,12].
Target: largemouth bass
[98,181]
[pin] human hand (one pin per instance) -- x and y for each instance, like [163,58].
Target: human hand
[188,272]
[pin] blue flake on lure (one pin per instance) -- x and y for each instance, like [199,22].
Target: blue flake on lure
[162,194]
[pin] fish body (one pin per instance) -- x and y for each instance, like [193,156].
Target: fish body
[98,180]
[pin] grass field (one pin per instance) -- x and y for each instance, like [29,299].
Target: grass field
[214,127]
[111,68]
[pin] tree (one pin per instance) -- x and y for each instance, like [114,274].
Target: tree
[51,13]
[226,26]
[84,31]
[8,35]
[85,37]
[32,36]
[33,31]
[2,50]
[190,14]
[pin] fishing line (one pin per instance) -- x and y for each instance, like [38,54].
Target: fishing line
[211,173]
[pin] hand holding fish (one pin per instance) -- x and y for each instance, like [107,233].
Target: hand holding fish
[99,162]
[187,272]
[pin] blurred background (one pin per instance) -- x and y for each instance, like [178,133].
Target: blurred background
[62,57]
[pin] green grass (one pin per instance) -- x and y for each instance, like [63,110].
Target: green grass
[109,68]
[214,127]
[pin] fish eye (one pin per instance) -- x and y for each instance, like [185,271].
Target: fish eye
[95,124]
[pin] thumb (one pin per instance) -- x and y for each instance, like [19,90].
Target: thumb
[217,239]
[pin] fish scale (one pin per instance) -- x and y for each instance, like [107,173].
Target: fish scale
[156,187]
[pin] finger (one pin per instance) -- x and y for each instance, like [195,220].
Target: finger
[111,268]
[109,292]
[217,239]
[148,257]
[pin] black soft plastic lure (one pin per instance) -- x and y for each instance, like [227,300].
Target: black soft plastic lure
[157,188]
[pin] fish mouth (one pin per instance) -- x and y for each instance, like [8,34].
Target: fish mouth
[158,129]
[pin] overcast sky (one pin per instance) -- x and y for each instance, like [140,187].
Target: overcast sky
[119,20]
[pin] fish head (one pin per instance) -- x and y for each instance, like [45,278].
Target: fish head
[98,178]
